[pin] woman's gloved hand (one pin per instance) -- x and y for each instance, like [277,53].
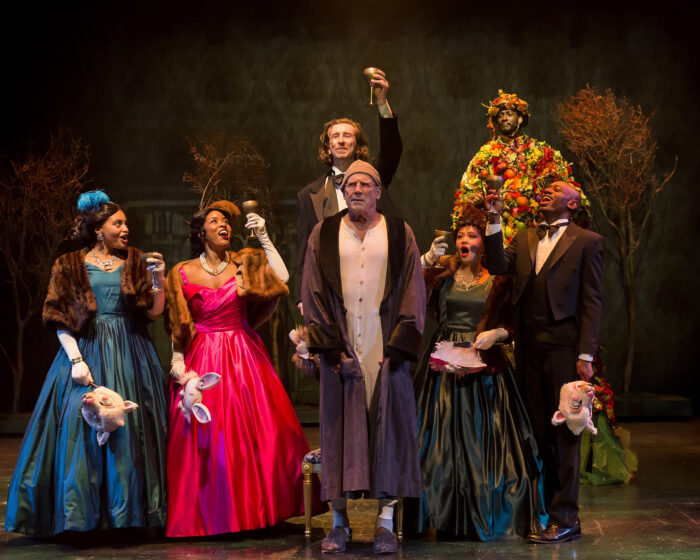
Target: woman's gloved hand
[437,250]
[257,224]
[487,339]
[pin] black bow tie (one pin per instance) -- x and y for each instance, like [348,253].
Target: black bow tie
[338,178]
[547,229]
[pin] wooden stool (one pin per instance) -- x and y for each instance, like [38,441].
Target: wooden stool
[310,464]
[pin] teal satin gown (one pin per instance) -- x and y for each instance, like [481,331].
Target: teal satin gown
[481,475]
[63,480]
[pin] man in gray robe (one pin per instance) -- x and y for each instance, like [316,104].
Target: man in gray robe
[364,306]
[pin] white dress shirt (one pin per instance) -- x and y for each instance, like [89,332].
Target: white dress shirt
[363,267]
[546,245]
[342,205]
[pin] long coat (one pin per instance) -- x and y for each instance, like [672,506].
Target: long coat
[375,453]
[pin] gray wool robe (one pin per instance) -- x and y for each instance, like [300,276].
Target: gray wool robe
[373,453]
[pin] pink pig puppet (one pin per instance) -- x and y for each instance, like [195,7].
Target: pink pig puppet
[191,394]
[104,410]
[576,407]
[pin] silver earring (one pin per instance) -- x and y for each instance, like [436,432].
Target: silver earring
[99,237]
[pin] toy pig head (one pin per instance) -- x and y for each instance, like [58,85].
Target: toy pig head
[191,393]
[104,411]
[576,407]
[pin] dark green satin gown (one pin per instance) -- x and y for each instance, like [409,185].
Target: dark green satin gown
[481,474]
[64,481]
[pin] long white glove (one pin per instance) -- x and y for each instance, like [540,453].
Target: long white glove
[79,371]
[178,371]
[156,266]
[257,224]
[486,339]
[437,250]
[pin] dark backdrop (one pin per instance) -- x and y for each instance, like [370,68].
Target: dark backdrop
[136,80]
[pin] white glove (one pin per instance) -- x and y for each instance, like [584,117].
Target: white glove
[487,339]
[156,266]
[79,371]
[177,367]
[301,346]
[257,224]
[437,250]
[178,371]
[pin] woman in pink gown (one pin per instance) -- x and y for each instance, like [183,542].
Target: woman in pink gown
[241,470]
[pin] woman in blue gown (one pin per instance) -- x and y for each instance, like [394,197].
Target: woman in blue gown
[99,301]
[481,475]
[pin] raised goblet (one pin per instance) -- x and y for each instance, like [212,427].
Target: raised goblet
[441,233]
[368,73]
[250,206]
[494,183]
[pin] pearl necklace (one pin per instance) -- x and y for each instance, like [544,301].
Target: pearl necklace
[210,270]
[459,276]
[107,264]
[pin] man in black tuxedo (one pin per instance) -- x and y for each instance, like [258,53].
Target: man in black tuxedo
[342,142]
[558,299]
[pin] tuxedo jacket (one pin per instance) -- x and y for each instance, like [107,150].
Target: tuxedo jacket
[574,279]
[314,197]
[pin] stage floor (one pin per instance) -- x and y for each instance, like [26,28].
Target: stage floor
[656,516]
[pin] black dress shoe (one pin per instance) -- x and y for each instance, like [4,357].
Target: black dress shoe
[555,534]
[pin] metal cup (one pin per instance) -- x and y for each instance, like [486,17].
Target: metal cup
[250,206]
[368,73]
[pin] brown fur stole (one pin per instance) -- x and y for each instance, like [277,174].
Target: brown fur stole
[70,302]
[254,279]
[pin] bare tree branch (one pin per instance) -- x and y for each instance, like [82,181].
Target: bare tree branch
[37,207]
[612,144]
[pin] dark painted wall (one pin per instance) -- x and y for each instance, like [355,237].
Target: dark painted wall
[135,81]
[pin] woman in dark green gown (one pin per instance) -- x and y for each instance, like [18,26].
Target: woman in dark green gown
[99,301]
[481,475]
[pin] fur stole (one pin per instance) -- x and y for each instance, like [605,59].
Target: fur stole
[255,280]
[70,302]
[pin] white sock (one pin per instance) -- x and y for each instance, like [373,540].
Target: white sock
[340,513]
[385,518]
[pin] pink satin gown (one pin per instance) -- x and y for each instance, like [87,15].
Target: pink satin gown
[242,470]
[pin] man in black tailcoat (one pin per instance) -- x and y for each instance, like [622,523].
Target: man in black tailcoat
[342,142]
[558,298]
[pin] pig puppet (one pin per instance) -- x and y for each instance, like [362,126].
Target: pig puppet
[191,393]
[104,411]
[576,407]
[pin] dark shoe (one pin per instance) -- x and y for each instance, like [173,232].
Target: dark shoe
[337,540]
[555,534]
[385,541]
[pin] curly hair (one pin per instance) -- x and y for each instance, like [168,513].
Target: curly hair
[361,147]
[196,233]
[87,221]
